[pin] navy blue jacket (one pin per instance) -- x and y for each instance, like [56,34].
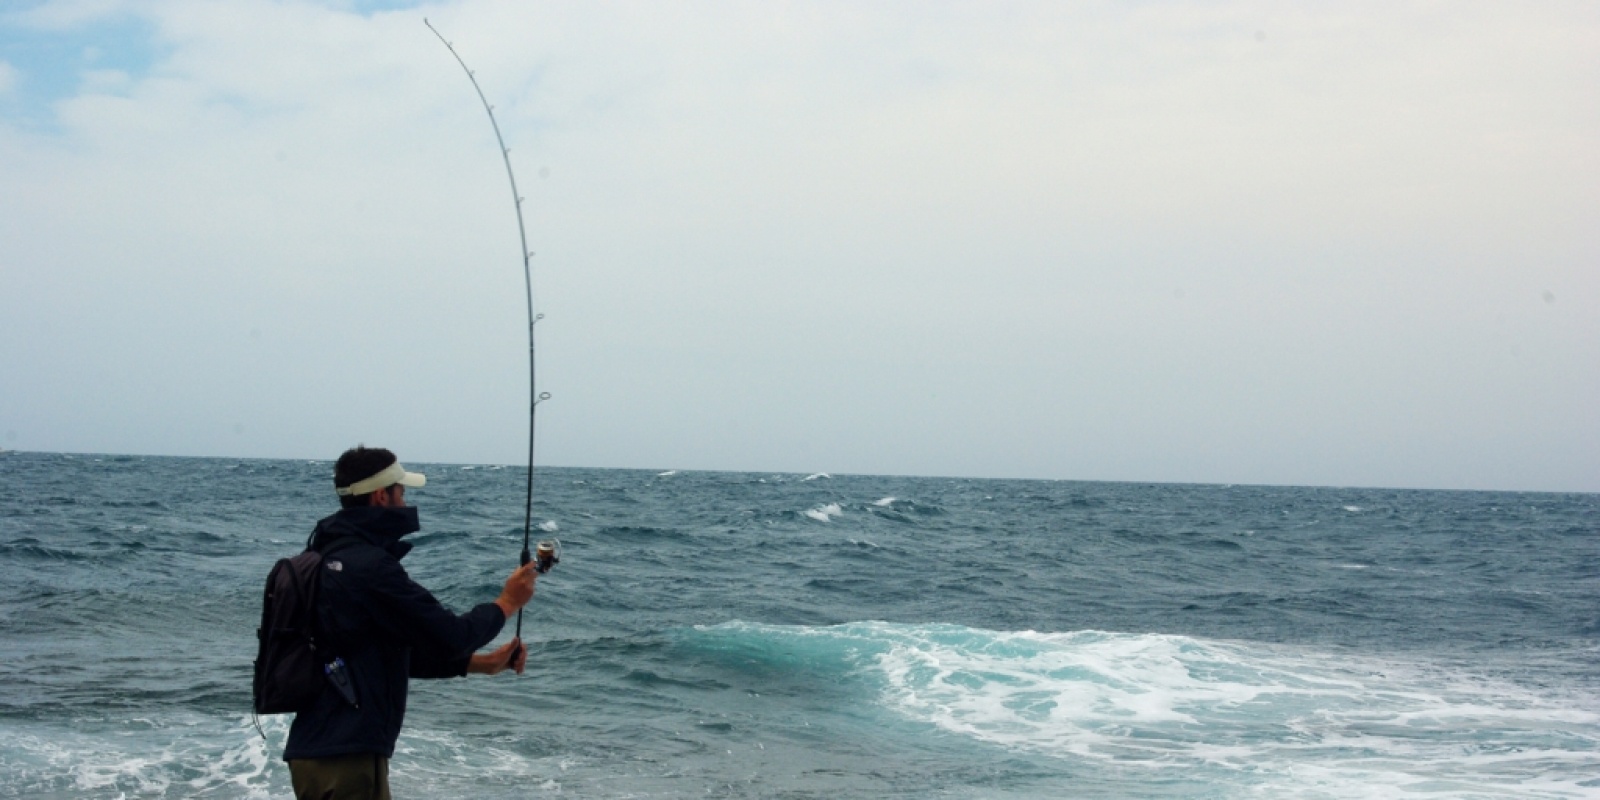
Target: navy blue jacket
[387,628]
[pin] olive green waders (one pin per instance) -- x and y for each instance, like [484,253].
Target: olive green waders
[363,776]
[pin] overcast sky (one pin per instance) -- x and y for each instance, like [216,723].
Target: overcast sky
[1329,243]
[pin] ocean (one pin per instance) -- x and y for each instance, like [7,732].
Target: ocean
[713,634]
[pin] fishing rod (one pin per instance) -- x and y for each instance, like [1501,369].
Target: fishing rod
[549,551]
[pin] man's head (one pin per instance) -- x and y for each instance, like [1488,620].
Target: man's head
[372,476]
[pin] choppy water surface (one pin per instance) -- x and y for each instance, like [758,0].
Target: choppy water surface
[771,635]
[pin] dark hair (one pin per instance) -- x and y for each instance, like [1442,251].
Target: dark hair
[357,464]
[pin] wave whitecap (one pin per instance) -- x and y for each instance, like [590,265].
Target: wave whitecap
[825,513]
[1278,720]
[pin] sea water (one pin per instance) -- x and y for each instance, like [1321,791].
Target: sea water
[824,636]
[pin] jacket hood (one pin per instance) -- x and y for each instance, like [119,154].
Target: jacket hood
[376,525]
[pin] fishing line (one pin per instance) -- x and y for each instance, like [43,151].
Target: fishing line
[534,396]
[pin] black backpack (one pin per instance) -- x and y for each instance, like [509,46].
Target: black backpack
[289,671]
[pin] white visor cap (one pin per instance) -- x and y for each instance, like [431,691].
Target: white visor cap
[389,476]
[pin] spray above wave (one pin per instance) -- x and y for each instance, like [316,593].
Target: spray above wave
[1243,717]
[824,513]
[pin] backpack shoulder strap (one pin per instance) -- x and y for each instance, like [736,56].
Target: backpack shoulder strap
[314,582]
[336,543]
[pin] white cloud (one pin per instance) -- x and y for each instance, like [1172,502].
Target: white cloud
[8,78]
[106,81]
[69,14]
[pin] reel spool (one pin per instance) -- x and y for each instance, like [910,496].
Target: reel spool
[548,554]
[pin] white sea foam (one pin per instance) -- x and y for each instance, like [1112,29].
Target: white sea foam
[669,473]
[427,757]
[885,502]
[1295,723]
[549,526]
[1250,719]
[825,513]
[1353,509]
[191,755]
[186,755]
[816,475]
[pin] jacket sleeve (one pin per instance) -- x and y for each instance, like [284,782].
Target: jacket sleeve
[438,637]
[425,666]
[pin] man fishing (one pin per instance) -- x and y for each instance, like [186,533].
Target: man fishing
[387,629]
